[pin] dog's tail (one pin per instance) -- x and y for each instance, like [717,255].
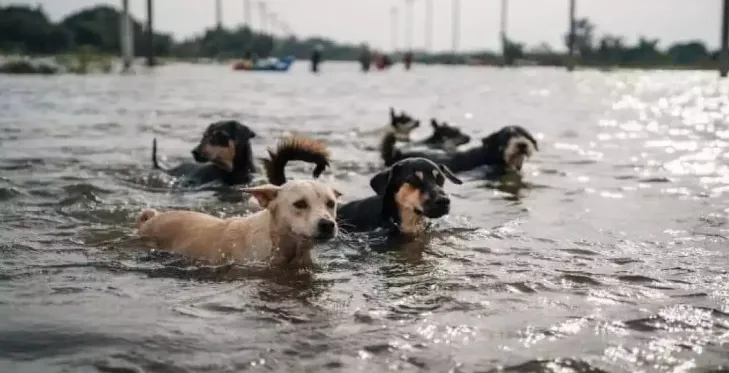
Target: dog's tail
[388,152]
[155,164]
[145,216]
[295,148]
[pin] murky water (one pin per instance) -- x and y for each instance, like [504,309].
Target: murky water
[614,257]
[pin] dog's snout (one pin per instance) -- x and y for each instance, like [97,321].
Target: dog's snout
[442,201]
[326,227]
[198,155]
[522,147]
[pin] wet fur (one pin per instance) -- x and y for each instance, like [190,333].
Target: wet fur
[295,149]
[223,154]
[399,203]
[496,151]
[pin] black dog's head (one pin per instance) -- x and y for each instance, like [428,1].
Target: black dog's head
[402,124]
[223,142]
[412,188]
[446,137]
[510,146]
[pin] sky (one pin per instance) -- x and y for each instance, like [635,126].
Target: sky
[530,21]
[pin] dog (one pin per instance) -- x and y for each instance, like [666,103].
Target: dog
[444,137]
[502,151]
[223,154]
[406,193]
[296,215]
[402,124]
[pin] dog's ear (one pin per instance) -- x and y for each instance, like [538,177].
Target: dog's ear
[379,182]
[490,140]
[528,135]
[240,131]
[264,194]
[449,174]
[392,113]
[434,123]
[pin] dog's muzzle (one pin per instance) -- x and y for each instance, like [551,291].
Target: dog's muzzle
[326,229]
[198,155]
[438,206]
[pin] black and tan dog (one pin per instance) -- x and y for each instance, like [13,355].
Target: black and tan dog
[406,193]
[444,137]
[402,125]
[224,154]
[502,151]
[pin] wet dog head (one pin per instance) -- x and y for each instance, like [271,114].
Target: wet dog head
[446,137]
[402,124]
[511,145]
[223,142]
[413,188]
[303,209]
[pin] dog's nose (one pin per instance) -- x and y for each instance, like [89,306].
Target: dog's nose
[442,202]
[326,227]
[198,156]
[522,147]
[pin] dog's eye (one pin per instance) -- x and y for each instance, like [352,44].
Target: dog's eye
[301,204]
[330,204]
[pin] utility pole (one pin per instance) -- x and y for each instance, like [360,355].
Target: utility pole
[393,27]
[456,24]
[571,38]
[264,23]
[127,41]
[218,14]
[724,54]
[409,25]
[150,33]
[247,13]
[502,34]
[428,25]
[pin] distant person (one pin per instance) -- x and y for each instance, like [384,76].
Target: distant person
[407,59]
[316,58]
[365,59]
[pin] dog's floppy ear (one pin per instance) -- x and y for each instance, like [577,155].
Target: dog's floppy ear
[240,131]
[379,182]
[528,135]
[490,139]
[449,174]
[264,194]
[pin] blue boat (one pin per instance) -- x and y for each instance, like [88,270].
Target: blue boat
[267,64]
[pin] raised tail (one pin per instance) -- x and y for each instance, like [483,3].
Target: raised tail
[388,152]
[155,164]
[295,148]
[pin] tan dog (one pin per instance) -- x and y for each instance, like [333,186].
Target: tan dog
[296,216]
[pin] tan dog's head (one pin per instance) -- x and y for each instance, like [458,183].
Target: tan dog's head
[304,209]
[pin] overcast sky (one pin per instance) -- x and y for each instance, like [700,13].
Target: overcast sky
[530,21]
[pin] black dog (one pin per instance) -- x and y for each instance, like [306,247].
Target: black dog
[501,151]
[402,124]
[445,137]
[224,154]
[407,192]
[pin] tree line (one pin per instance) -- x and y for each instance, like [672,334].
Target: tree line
[27,30]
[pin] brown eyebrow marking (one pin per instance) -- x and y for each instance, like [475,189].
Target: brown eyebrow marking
[419,175]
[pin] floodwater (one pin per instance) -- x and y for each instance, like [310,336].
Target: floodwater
[612,257]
